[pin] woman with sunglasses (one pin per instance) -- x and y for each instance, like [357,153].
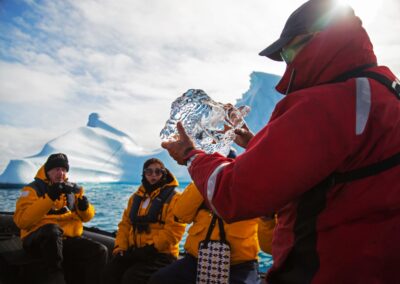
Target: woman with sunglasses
[147,237]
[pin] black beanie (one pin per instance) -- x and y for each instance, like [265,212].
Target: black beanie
[55,161]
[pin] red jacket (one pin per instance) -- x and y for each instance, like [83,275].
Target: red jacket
[348,233]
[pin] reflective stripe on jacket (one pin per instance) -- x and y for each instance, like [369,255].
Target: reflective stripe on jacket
[32,211]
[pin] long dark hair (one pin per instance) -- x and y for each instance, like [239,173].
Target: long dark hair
[166,177]
[153,161]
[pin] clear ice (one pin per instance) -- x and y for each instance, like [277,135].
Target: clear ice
[210,124]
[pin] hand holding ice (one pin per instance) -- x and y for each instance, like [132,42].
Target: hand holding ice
[210,124]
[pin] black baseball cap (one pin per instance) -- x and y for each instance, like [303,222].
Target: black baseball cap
[312,16]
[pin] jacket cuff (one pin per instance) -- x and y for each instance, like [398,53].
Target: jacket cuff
[191,156]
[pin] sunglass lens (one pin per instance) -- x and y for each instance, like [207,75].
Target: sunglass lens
[149,172]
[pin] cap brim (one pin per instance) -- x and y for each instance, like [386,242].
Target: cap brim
[275,48]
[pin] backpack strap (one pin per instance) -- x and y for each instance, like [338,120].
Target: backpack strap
[392,86]
[378,167]
[303,259]
[366,171]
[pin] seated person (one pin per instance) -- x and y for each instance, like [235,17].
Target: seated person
[241,236]
[50,212]
[148,236]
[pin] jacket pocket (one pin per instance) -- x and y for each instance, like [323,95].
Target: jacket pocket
[243,241]
[196,234]
[241,231]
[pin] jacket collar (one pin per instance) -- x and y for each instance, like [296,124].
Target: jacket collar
[41,174]
[173,182]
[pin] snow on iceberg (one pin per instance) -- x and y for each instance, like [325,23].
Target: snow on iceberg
[97,152]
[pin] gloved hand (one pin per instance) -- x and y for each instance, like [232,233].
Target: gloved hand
[70,187]
[143,252]
[83,203]
[54,191]
[118,256]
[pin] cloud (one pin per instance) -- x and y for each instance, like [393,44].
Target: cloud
[128,60]
[23,84]
[382,23]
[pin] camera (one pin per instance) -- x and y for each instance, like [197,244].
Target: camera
[67,187]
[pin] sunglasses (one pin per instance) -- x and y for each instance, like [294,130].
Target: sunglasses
[288,53]
[157,172]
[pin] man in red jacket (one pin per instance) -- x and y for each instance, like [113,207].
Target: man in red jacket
[327,162]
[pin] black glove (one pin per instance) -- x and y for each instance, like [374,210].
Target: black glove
[118,257]
[54,191]
[70,187]
[83,203]
[143,253]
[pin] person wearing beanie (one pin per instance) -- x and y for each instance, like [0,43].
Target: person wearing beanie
[50,213]
[148,236]
[327,162]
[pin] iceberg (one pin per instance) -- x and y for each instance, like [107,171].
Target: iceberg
[97,152]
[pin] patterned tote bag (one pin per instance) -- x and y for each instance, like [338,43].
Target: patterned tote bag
[214,257]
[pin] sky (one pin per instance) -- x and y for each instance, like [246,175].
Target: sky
[129,59]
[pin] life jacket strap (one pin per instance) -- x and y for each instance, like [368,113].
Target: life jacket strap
[154,214]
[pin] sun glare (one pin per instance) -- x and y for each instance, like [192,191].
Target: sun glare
[366,10]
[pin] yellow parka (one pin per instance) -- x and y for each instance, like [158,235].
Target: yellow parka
[32,211]
[165,236]
[266,228]
[241,236]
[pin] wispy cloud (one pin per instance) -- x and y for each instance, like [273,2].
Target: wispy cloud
[128,60]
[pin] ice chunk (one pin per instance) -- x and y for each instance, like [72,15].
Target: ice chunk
[211,124]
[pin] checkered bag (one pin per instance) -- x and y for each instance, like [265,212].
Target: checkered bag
[214,257]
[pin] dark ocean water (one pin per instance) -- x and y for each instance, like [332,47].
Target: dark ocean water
[109,200]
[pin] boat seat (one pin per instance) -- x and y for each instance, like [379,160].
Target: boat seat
[12,252]
[16,265]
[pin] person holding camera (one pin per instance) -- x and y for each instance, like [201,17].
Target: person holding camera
[50,212]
